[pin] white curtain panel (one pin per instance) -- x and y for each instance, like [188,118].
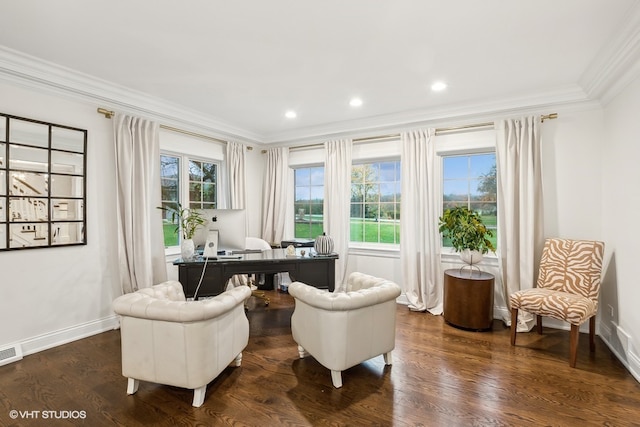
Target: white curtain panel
[421,205]
[140,238]
[274,195]
[237,175]
[337,202]
[520,213]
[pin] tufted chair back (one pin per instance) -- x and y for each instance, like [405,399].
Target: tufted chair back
[343,329]
[168,340]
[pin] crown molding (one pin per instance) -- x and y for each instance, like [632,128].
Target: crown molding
[29,71]
[618,62]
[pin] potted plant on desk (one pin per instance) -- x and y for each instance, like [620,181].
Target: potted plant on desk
[187,220]
[468,234]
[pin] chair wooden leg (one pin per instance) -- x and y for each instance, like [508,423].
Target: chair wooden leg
[573,345]
[592,334]
[539,324]
[514,325]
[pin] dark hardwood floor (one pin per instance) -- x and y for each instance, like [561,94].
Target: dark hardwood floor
[441,376]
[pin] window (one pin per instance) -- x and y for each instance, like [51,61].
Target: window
[470,180]
[309,200]
[375,202]
[198,189]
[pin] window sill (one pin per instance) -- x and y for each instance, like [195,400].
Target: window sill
[171,252]
[376,250]
[449,256]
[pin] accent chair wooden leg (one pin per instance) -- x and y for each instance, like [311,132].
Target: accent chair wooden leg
[198,396]
[539,324]
[132,386]
[336,378]
[387,358]
[573,345]
[592,334]
[514,325]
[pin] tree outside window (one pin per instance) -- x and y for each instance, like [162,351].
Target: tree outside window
[375,202]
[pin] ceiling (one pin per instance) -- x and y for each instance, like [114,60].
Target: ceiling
[240,65]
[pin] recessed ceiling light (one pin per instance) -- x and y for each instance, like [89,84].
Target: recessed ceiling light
[355,102]
[290,115]
[438,86]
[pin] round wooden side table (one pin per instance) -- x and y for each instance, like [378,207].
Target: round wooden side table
[468,299]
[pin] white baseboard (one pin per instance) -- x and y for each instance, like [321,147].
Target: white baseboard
[67,335]
[621,345]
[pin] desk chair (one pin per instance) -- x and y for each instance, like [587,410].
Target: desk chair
[255,243]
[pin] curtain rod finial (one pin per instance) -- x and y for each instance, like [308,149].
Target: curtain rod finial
[107,113]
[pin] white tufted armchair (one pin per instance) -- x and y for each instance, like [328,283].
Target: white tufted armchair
[343,329]
[168,340]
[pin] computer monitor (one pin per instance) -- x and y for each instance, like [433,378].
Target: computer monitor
[231,225]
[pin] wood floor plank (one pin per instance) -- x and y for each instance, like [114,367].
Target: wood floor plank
[441,376]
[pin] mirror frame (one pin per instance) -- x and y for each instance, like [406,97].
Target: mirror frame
[35,213]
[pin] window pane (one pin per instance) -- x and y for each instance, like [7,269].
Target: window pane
[309,202]
[470,180]
[195,171]
[202,184]
[317,176]
[303,194]
[375,207]
[209,172]
[317,194]
[170,184]
[169,167]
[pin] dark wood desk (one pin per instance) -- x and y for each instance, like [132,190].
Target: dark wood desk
[468,299]
[317,271]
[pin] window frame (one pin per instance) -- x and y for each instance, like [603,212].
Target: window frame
[184,184]
[460,144]
[295,186]
[397,201]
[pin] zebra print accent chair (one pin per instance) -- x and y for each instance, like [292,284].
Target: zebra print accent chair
[567,289]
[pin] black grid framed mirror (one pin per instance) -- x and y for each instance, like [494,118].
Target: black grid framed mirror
[42,184]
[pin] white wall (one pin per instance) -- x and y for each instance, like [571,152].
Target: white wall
[620,293]
[53,295]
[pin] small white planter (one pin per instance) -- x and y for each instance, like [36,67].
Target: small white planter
[471,257]
[187,249]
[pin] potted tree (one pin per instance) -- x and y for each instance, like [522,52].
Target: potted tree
[187,220]
[468,234]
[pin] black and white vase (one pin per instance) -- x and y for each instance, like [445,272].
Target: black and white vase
[323,244]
